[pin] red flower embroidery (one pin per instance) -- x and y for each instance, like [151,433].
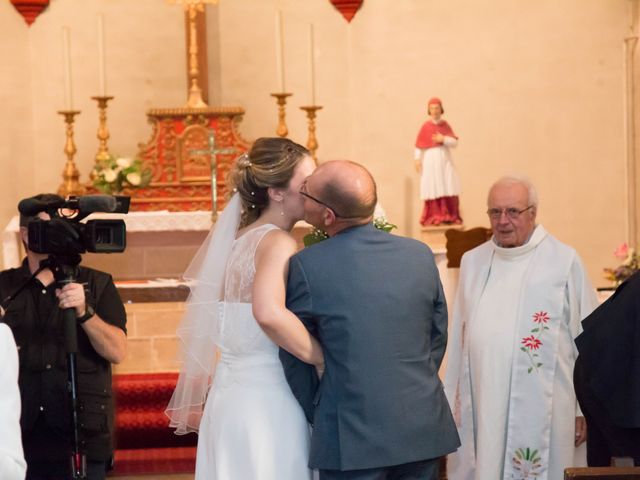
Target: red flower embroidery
[541,317]
[531,342]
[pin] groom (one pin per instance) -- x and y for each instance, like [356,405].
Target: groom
[375,302]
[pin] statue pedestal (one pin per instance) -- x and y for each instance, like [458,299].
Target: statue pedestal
[434,236]
[180,156]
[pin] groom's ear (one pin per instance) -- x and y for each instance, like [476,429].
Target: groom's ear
[275,194]
[328,217]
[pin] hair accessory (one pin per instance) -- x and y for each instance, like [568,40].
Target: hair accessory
[253,205]
[243,161]
[253,193]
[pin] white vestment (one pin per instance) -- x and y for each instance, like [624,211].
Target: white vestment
[509,377]
[439,177]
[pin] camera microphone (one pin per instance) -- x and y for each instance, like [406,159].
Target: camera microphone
[33,206]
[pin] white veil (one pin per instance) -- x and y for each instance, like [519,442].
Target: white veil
[199,330]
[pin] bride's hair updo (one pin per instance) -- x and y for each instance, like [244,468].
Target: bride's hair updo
[269,164]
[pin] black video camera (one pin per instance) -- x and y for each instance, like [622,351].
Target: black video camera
[64,234]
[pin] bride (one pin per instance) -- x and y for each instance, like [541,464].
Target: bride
[250,425]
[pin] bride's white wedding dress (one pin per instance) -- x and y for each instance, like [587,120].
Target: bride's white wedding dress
[252,426]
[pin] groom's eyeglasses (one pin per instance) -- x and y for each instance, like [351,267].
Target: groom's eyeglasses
[304,193]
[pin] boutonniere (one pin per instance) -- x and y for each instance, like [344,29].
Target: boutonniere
[316,235]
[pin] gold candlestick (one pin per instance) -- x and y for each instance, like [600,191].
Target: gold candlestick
[103,132]
[312,143]
[70,175]
[282,130]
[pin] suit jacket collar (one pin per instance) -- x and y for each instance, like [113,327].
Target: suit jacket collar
[367,227]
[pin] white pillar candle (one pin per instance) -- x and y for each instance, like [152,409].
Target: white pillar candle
[66,65]
[102,78]
[279,51]
[312,68]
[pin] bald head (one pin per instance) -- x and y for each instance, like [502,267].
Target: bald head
[348,187]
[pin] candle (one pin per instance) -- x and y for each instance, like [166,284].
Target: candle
[312,68]
[66,64]
[279,52]
[102,91]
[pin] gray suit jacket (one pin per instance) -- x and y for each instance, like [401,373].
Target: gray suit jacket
[375,302]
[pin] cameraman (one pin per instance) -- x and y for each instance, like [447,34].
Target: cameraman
[35,316]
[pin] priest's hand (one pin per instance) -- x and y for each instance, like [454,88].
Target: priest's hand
[418,165]
[581,431]
[437,137]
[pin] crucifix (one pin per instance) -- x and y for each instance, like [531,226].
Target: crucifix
[213,153]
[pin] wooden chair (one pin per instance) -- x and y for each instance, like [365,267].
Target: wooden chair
[605,473]
[459,241]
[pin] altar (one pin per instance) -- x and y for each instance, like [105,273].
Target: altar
[159,244]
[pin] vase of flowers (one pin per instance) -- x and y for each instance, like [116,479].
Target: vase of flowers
[630,264]
[114,174]
[318,235]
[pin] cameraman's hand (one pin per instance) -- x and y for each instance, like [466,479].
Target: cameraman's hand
[72,296]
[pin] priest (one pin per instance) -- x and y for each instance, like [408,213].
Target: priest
[518,308]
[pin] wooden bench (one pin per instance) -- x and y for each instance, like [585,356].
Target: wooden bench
[605,473]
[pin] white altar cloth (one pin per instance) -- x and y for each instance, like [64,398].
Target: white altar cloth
[160,221]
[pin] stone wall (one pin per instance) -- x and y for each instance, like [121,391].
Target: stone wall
[151,337]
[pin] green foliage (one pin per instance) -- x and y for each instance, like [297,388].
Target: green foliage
[318,235]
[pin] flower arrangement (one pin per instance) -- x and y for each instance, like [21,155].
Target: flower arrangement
[318,235]
[630,264]
[115,173]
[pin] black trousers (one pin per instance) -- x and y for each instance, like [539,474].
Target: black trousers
[423,470]
[604,439]
[60,470]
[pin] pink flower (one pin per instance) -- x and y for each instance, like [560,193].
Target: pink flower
[622,252]
[541,317]
[531,342]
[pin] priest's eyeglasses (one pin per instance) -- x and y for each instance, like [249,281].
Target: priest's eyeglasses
[512,213]
[304,193]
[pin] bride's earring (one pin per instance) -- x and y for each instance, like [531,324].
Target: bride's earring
[281,202]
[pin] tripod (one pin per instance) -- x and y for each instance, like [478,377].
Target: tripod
[65,271]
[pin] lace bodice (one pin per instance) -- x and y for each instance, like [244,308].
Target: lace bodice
[240,333]
[241,268]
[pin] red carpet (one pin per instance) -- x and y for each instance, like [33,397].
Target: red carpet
[143,440]
[151,461]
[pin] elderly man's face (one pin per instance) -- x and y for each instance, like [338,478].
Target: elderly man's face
[511,232]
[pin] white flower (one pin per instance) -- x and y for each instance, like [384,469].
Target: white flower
[123,162]
[134,179]
[109,175]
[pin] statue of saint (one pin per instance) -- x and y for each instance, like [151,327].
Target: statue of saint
[439,184]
